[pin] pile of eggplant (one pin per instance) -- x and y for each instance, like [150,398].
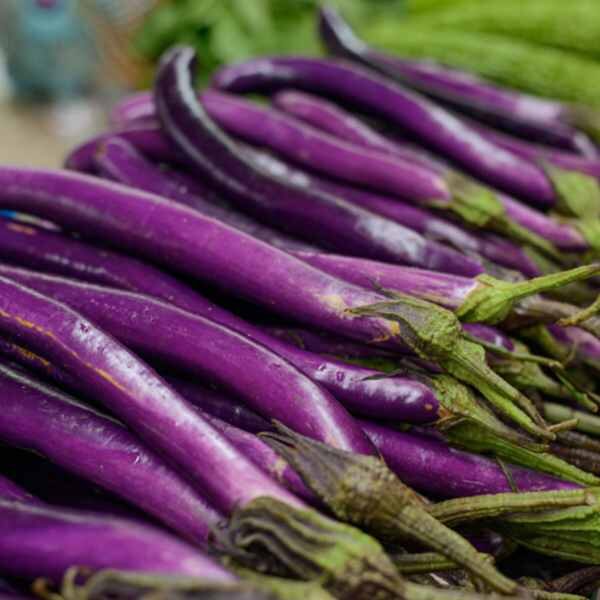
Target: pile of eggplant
[305,333]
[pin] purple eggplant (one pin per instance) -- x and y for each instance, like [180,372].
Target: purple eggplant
[120,161]
[274,199]
[42,541]
[61,254]
[109,373]
[100,450]
[362,165]
[264,457]
[134,107]
[483,299]
[201,347]
[432,467]
[406,109]
[146,136]
[562,235]
[190,243]
[548,121]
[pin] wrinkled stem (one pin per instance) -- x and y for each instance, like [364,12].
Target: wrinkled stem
[129,585]
[424,562]
[492,301]
[460,510]
[583,315]
[272,537]
[363,491]
[585,422]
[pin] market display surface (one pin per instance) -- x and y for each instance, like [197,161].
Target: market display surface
[327,327]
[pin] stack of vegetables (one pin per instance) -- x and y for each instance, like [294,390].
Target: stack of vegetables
[333,340]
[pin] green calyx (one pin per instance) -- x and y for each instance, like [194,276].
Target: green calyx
[578,194]
[361,490]
[492,301]
[479,206]
[272,537]
[473,438]
[459,404]
[110,583]
[435,334]
[283,588]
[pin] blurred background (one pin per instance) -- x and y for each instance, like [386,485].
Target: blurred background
[63,62]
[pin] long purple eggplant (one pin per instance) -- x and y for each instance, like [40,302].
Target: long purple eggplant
[42,541]
[274,199]
[100,450]
[201,347]
[327,116]
[432,467]
[483,299]
[118,379]
[548,121]
[383,171]
[406,109]
[61,254]
[109,373]
[188,242]
[121,161]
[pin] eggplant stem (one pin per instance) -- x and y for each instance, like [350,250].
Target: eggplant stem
[582,315]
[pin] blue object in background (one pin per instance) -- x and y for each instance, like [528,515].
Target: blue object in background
[50,52]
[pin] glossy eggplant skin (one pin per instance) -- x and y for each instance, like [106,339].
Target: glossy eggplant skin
[433,467]
[301,209]
[110,374]
[202,348]
[101,450]
[61,254]
[372,93]
[534,118]
[39,540]
[120,161]
[185,241]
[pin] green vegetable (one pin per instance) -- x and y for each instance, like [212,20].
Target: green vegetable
[573,25]
[535,69]
[225,31]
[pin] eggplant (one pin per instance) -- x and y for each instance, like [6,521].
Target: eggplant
[544,120]
[99,449]
[38,540]
[11,492]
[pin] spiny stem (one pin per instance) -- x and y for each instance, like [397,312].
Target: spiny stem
[459,510]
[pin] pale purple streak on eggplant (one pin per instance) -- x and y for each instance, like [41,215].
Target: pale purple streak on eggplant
[201,347]
[132,108]
[372,93]
[489,334]
[276,200]
[432,467]
[113,376]
[120,161]
[44,541]
[323,152]
[12,492]
[101,450]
